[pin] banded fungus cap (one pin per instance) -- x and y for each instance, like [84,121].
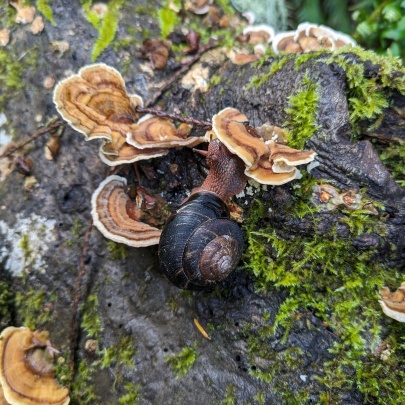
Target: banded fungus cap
[26,369]
[393,303]
[229,126]
[111,215]
[159,132]
[96,103]
[285,158]
[128,154]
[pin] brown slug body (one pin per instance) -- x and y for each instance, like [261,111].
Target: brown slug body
[200,245]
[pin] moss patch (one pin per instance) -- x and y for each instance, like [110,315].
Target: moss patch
[46,10]
[10,76]
[326,276]
[183,361]
[302,112]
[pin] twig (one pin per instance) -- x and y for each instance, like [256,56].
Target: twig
[202,49]
[37,134]
[192,121]
[77,295]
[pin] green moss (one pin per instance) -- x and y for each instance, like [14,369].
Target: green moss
[46,10]
[302,112]
[6,300]
[325,275]
[183,361]
[215,80]
[106,27]
[393,157]
[91,322]
[132,394]
[258,81]
[226,7]
[230,395]
[31,308]
[118,251]
[168,18]
[121,354]
[10,76]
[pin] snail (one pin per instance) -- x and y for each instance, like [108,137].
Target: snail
[200,245]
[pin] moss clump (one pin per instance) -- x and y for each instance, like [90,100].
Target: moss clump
[183,361]
[6,299]
[118,251]
[131,397]
[106,26]
[258,81]
[46,10]
[10,76]
[325,275]
[393,157]
[168,18]
[91,322]
[230,395]
[302,113]
[32,309]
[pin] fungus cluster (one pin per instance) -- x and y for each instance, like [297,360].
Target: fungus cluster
[306,38]
[266,161]
[393,303]
[96,103]
[26,369]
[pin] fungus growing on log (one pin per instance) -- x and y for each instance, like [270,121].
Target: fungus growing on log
[266,161]
[118,218]
[393,303]
[310,37]
[96,103]
[258,34]
[198,6]
[26,369]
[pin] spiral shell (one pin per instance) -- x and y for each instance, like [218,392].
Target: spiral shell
[200,245]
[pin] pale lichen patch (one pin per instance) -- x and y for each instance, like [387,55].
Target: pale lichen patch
[25,244]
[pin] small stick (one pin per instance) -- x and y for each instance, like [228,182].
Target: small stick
[201,329]
[37,134]
[192,121]
[77,295]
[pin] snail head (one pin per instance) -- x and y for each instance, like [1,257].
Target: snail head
[226,176]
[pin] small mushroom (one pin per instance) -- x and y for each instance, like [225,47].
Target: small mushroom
[393,303]
[4,36]
[157,51]
[26,369]
[230,127]
[116,218]
[259,34]
[25,14]
[158,132]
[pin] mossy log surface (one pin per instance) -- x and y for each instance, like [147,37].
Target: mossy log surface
[42,230]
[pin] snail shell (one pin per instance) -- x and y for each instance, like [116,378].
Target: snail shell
[200,245]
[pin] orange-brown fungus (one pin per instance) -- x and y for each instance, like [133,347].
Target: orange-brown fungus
[128,154]
[285,158]
[393,303]
[157,132]
[112,218]
[95,103]
[26,373]
[230,128]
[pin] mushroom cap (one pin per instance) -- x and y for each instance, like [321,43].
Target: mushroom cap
[159,132]
[264,173]
[26,373]
[285,158]
[110,216]
[95,103]
[259,34]
[128,154]
[229,127]
[393,303]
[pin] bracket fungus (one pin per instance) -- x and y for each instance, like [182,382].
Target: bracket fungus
[119,218]
[266,161]
[310,37]
[393,303]
[96,103]
[26,373]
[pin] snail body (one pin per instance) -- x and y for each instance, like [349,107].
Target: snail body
[200,245]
